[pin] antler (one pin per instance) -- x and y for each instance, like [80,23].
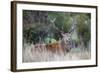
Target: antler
[74,25]
[53,24]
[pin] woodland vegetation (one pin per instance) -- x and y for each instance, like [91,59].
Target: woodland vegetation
[40,25]
[48,26]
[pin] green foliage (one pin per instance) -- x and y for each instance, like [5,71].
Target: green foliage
[30,36]
[49,40]
[64,22]
[83,27]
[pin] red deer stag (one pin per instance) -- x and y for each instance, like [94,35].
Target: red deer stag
[62,46]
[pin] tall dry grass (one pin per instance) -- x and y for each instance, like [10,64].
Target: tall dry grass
[32,54]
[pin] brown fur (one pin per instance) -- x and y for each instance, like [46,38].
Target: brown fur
[55,48]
